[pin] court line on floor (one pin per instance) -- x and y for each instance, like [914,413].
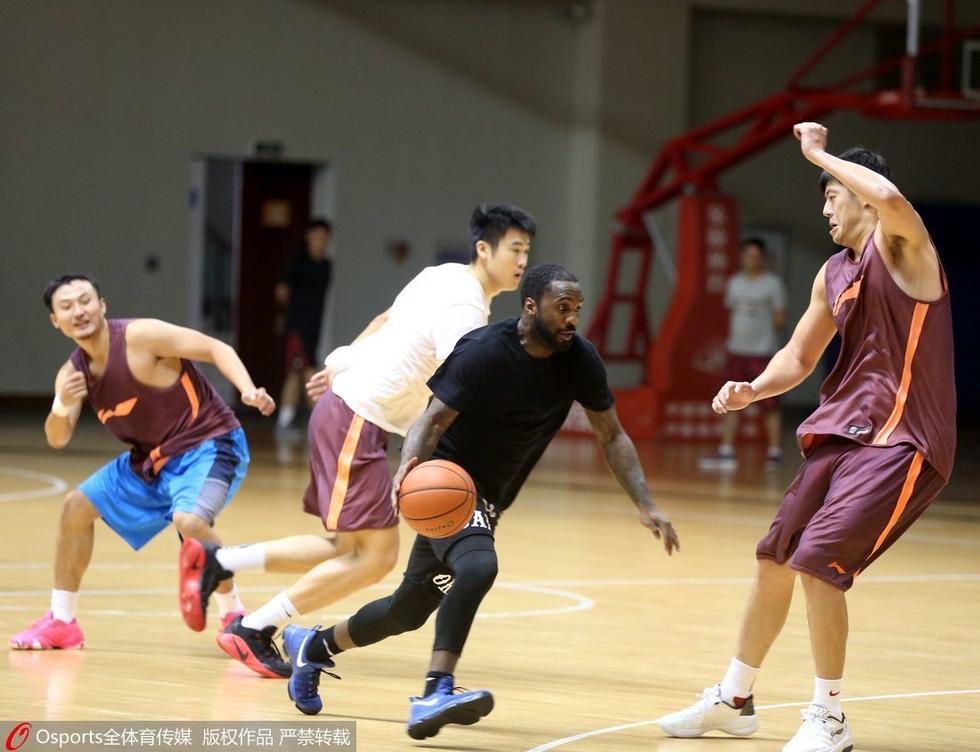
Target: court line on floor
[543,586]
[579,602]
[55,485]
[638,724]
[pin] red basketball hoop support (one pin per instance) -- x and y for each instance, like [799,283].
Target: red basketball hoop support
[682,370]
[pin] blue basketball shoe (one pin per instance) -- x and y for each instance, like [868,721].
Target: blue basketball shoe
[304,684]
[447,704]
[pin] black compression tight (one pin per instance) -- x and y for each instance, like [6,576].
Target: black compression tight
[472,562]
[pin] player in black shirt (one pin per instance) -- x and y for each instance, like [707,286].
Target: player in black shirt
[498,400]
[302,292]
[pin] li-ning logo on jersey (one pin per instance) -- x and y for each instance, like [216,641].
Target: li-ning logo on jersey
[119,411]
[853,430]
[443,582]
[850,293]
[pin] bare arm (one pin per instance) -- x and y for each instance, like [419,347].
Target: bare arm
[791,364]
[422,439]
[70,390]
[622,459]
[169,341]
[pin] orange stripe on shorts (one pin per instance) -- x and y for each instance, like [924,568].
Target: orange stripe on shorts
[339,493]
[903,500]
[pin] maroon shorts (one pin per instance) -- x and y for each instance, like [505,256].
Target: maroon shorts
[350,487]
[846,506]
[746,368]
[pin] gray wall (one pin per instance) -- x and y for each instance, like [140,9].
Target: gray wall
[105,103]
[421,108]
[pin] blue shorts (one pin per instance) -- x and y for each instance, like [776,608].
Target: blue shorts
[138,510]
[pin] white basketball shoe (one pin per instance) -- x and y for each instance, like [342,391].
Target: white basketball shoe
[821,731]
[711,713]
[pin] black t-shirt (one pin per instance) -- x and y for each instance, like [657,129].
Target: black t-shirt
[308,281]
[511,404]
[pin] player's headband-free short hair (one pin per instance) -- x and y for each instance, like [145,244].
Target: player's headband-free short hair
[53,285]
[490,222]
[864,157]
[538,279]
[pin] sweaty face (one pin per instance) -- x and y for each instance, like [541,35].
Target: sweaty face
[78,312]
[843,211]
[506,263]
[556,320]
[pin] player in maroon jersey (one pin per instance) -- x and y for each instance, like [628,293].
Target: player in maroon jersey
[878,449]
[188,452]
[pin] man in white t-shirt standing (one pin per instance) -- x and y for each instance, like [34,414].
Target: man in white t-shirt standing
[756,299]
[372,387]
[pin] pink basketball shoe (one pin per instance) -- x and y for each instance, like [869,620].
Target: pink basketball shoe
[229,618]
[48,633]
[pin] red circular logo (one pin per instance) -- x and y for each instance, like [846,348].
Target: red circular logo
[20,734]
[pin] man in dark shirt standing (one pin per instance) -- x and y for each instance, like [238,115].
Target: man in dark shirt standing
[497,402]
[303,292]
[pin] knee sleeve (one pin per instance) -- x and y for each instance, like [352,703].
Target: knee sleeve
[475,569]
[405,610]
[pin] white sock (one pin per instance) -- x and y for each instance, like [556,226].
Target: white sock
[286,415]
[63,605]
[738,681]
[275,613]
[826,692]
[228,602]
[238,558]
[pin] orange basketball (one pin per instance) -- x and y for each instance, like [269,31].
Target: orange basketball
[437,498]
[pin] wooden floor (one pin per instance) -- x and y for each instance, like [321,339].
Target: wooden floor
[590,634]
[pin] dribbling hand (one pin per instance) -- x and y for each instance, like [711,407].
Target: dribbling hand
[396,482]
[662,528]
[259,399]
[735,395]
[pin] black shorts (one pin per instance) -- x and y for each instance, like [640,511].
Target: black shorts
[428,557]
[483,522]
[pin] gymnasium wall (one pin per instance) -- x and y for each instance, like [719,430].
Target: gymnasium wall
[422,109]
[105,103]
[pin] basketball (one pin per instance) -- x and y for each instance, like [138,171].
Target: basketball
[437,498]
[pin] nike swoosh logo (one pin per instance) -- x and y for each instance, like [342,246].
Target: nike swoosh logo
[241,655]
[430,701]
[838,732]
[302,649]
[834,694]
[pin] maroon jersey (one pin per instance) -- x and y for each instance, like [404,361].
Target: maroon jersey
[158,423]
[893,382]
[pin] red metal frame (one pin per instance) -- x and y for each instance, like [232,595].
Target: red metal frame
[691,164]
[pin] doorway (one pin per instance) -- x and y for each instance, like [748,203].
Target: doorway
[248,219]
